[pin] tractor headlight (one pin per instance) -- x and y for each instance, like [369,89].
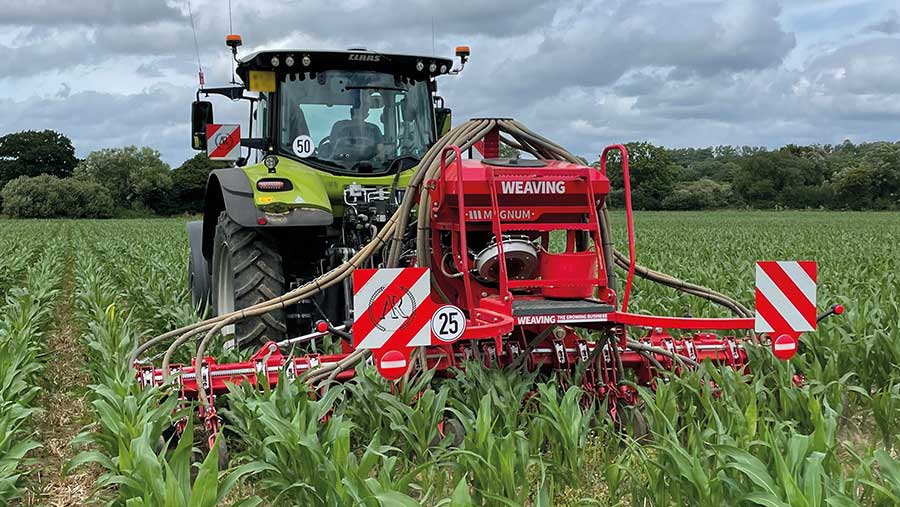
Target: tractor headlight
[420,66]
[305,61]
[275,61]
[289,61]
[443,69]
[271,161]
[432,68]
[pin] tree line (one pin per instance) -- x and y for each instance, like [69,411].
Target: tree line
[846,176]
[41,177]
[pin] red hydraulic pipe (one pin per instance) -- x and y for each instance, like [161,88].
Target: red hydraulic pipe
[461,200]
[628,216]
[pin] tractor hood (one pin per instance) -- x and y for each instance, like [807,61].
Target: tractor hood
[312,197]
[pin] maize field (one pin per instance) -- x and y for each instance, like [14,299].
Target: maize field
[75,428]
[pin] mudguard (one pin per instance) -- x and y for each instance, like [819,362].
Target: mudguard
[238,198]
[229,190]
[198,268]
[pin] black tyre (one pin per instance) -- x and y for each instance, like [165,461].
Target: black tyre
[455,430]
[198,268]
[224,455]
[246,270]
[635,423]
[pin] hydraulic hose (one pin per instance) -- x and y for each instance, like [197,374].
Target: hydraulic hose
[676,283]
[397,233]
[643,347]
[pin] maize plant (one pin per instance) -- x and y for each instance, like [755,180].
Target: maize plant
[28,293]
[144,462]
[818,431]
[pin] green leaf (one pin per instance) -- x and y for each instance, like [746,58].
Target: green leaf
[461,496]
[205,492]
[751,414]
[750,466]
[230,480]
[841,501]
[813,474]
[86,457]
[180,459]
[765,499]
[395,498]
[890,470]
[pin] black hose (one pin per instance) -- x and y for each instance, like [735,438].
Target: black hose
[656,350]
[607,245]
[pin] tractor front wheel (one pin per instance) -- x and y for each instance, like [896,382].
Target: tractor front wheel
[246,270]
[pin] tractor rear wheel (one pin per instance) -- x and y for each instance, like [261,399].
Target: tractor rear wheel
[246,270]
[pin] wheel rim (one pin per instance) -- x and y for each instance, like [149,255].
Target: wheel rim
[224,280]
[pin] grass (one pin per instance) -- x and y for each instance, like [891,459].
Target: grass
[755,440]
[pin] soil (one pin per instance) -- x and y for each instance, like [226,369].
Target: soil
[64,402]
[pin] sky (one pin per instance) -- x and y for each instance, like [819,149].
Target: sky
[586,73]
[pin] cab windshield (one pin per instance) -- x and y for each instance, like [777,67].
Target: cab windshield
[355,121]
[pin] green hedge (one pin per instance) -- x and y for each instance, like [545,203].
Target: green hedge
[47,196]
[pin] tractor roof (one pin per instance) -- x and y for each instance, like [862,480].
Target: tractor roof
[407,65]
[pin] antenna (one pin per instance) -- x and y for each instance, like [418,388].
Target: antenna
[234,49]
[230,24]
[196,44]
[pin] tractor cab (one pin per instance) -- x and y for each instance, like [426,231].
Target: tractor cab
[334,137]
[354,112]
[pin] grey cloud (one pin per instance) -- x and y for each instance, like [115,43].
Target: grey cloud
[85,12]
[600,41]
[638,83]
[55,49]
[148,70]
[771,106]
[61,34]
[868,67]
[156,38]
[392,19]
[599,44]
[158,116]
[64,91]
[586,74]
[744,96]
[890,24]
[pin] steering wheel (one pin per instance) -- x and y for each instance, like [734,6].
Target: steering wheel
[325,148]
[353,148]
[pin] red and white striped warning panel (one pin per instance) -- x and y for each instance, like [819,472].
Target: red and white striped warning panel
[223,142]
[785,296]
[392,308]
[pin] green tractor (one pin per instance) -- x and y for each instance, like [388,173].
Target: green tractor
[334,138]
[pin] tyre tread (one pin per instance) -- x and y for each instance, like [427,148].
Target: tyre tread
[258,277]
